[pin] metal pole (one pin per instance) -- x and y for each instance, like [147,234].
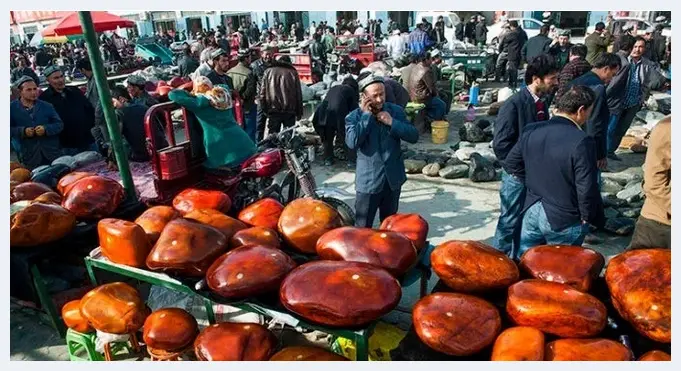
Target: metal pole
[105,99]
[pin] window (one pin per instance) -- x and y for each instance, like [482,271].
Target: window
[531,24]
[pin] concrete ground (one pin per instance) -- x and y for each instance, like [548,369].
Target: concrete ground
[455,210]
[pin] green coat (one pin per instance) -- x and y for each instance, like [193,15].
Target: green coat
[226,143]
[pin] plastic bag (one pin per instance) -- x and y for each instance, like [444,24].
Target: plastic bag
[66,160]
[104,338]
[308,94]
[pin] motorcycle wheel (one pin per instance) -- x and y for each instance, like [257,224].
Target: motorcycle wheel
[345,211]
[289,189]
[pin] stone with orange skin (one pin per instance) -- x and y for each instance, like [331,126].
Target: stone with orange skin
[40,223]
[14,165]
[170,329]
[115,308]
[248,271]
[519,344]
[93,197]
[555,308]
[340,294]
[123,242]
[255,236]
[49,198]
[656,355]
[73,319]
[572,265]
[385,249]
[68,180]
[235,342]
[223,223]
[28,191]
[471,266]
[640,284]
[304,220]
[411,225]
[20,175]
[304,353]
[262,213]
[456,324]
[186,248]
[586,350]
[154,219]
[191,199]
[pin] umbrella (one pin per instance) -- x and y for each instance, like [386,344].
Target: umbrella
[103,21]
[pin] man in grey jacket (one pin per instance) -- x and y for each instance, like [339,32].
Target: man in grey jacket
[629,89]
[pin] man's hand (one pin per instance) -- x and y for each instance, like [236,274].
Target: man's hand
[40,130]
[602,164]
[385,118]
[29,132]
[365,105]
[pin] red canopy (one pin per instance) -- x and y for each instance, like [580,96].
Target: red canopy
[103,21]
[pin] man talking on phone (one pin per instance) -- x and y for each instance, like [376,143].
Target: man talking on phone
[375,131]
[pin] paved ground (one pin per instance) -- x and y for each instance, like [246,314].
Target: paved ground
[455,209]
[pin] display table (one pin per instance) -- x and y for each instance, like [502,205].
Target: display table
[360,336]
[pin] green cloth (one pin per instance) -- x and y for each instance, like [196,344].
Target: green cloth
[329,43]
[226,143]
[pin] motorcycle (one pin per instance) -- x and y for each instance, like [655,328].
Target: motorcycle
[255,178]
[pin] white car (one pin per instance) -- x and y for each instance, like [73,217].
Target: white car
[530,25]
[451,20]
[639,24]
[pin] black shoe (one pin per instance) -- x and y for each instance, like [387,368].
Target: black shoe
[614,157]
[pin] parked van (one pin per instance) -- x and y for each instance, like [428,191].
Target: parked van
[450,18]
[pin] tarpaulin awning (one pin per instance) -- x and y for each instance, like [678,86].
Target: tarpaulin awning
[103,21]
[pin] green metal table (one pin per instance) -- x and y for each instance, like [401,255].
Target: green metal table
[359,336]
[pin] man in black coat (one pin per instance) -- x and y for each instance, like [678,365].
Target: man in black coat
[538,45]
[523,108]
[481,31]
[75,111]
[605,67]
[330,116]
[511,46]
[556,160]
[188,63]
[470,30]
[23,69]
[459,31]
[218,76]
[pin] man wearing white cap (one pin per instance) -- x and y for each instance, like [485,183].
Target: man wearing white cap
[396,45]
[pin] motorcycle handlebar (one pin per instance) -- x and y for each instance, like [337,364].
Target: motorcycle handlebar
[273,136]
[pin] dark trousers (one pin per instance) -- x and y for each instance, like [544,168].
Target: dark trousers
[649,233]
[512,69]
[261,123]
[327,133]
[618,126]
[502,60]
[275,120]
[386,202]
[250,124]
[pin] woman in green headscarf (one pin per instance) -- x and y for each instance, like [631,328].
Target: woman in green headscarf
[225,142]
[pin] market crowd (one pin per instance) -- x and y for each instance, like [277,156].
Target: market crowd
[553,137]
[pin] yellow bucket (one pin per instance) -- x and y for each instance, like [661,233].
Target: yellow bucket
[440,131]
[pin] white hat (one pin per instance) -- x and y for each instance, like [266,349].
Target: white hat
[396,32]
[434,53]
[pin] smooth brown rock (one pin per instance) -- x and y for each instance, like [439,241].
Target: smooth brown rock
[49,198]
[72,317]
[411,225]
[586,350]
[640,283]
[571,265]
[123,242]
[68,180]
[154,219]
[13,165]
[655,355]
[385,249]
[28,191]
[186,248]
[555,308]
[235,342]
[262,213]
[304,220]
[115,308]
[340,294]
[20,175]
[170,329]
[255,236]
[223,223]
[456,324]
[519,344]
[191,199]
[471,266]
[302,353]
[40,223]
[93,197]
[248,271]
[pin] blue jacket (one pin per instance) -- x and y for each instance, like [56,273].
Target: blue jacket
[557,161]
[35,151]
[517,112]
[379,153]
[419,42]
[597,125]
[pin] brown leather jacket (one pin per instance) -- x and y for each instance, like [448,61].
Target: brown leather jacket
[422,84]
[280,90]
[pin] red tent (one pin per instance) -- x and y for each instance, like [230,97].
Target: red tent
[103,21]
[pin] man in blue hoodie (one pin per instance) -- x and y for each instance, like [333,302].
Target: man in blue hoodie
[419,41]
